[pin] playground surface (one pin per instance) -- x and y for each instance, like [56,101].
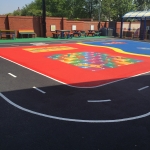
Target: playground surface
[96,88]
[88,64]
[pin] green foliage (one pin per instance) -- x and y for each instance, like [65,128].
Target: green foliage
[17,13]
[108,9]
[142,4]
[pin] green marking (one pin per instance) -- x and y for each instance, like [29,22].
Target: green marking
[40,39]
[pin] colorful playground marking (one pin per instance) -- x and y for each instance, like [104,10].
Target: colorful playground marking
[48,49]
[94,61]
[82,65]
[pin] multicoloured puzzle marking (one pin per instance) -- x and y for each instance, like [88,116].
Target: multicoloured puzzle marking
[49,49]
[94,61]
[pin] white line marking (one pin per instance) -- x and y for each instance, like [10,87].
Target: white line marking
[72,85]
[134,41]
[12,75]
[72,120]
[39,90]
[39,44]
[143,88]
[98,101]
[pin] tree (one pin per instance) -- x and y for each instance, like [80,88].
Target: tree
[109,10]
[115,9]
[32,9]
[142,4]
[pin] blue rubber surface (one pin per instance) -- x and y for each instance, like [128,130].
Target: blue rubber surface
[136,47]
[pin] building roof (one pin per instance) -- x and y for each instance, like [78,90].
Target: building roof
[137,14]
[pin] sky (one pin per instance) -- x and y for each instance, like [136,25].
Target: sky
[7,6]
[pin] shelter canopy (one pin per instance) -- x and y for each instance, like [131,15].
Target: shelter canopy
[137,14]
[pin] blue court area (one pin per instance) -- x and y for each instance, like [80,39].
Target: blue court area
[128,46]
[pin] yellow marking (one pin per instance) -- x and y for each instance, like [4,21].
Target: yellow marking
[71,59]
[123,63]
[89,65]
[82,64]
[115,49]
[49,49]
[95,66]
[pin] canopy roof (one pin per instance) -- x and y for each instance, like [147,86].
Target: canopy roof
[137,14]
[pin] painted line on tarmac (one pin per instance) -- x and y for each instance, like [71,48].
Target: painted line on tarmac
[143,88]
[69,119]
[39,90]
[39,44]
[134,41]
[12,75]
[98,101]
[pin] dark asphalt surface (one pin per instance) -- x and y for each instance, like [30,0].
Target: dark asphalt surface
[20,130]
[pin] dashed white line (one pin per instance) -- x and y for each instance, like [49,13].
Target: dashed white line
[143,88]
[39,44]
[39,90]
[12,75]
[69,119]
[98,101]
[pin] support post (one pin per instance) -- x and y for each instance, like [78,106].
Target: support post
[121,27]
[140,36]
[44,18]
[99,13]
[144,30]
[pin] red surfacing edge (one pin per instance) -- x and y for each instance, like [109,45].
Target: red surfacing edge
[73,75]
